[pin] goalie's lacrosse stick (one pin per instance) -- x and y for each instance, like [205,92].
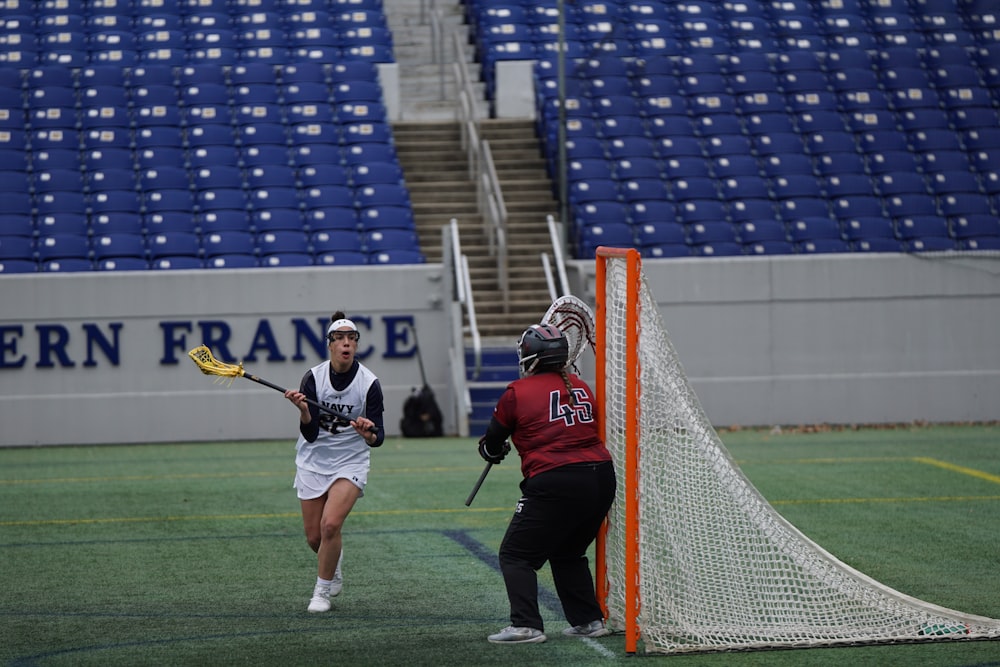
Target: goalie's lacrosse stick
[479,483]
[209,365]
[576,320]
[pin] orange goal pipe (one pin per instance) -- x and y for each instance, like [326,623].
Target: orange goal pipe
[633,267]
[601,562]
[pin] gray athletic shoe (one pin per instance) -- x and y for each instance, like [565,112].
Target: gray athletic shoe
[512,635]
[592,629]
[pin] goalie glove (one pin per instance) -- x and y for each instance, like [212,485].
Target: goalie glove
[487,455]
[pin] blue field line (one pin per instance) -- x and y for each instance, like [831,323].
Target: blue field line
[546,597]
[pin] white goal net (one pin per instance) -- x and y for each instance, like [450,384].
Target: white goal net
[716,567]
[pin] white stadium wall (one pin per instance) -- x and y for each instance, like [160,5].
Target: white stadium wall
[101,357]
[838,339]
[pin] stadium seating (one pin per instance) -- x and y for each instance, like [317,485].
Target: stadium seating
[823,127]
[134,131]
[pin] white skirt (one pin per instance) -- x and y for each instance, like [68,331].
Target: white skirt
[311,484]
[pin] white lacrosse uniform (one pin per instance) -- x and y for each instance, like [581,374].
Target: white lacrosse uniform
[338,451]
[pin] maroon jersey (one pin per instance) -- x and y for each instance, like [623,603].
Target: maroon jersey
[548,429]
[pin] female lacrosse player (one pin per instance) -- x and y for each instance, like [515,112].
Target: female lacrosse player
[567,490]
[332,456]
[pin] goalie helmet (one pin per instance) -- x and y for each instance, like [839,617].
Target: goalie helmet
[542,347]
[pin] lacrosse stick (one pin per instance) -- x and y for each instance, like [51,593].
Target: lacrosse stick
[479,483]
[209,365]
[576,321]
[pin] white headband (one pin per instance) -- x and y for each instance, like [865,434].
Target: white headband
[341,323]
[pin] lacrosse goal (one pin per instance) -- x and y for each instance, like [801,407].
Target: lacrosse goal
[693,557]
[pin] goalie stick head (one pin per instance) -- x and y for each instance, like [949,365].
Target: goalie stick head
[542,347]
[576,320]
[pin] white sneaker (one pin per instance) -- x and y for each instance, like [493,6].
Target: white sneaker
[592,629]
[512,635]
[320,601]
[337,583]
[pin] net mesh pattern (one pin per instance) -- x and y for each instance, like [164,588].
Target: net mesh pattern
[719,568]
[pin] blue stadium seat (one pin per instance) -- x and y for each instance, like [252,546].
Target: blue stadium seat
[859,229]
[396,256]
[636,189]
[701,210]
[974,226]
[660,234]
[371,173]
[385,217]
[311,175]
[179,262]
[63,247]
[334,242]
[234,261]
[164,222]
[228,242]
[264,155]
[343,258]
[652,212]
[262,176]
[62,201]
[287,259]
[62,223]
[115,245]
[274,197]
[277,219]
[332,218]
[160,156]
[612,234]
[910,204]
[813,229]
[222,220]
[66,265]
[379,240]
[216,199]
[122,264]
[823,245]
[848,184]
[896,183]
[750,210]
[16,248]
[281,242]
[795,208]
[931,244]
[174,244]
[328,196]
[761,230]
[984,243]
[118,201]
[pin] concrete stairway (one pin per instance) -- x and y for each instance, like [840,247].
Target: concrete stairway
[428,142]
[426,78]
[437,176]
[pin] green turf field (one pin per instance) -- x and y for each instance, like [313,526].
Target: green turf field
[193,554]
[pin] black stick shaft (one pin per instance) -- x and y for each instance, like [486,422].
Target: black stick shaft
[479,483]
[260,380]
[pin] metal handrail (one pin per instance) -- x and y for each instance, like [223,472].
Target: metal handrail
[549,281]
[557,252]
[494,211]
[463,285]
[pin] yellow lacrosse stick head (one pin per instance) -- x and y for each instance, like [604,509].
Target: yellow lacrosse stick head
[209,365]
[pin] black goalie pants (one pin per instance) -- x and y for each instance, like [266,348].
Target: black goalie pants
[556,520]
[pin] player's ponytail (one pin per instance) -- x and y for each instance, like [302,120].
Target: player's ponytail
[569,386]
